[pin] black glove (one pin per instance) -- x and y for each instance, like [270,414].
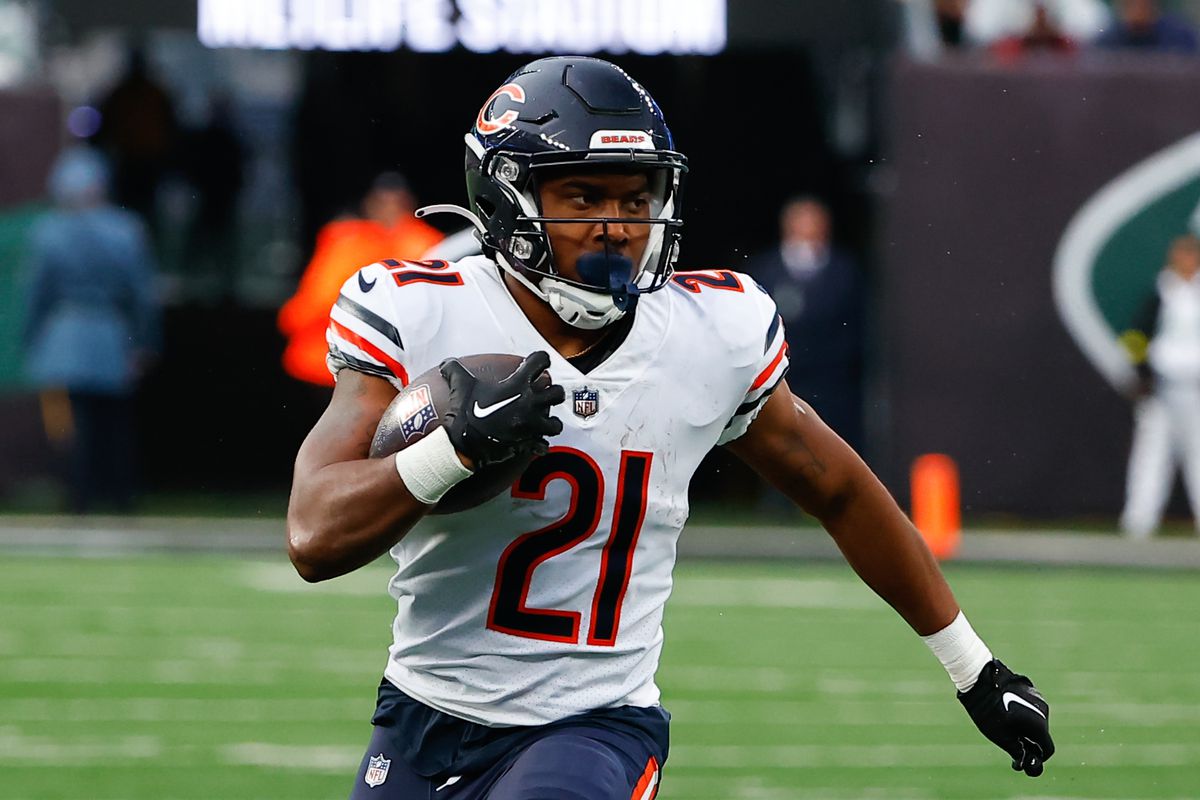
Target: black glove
[489,422]
[1010,712]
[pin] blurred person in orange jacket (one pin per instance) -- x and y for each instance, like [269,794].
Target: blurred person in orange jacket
[387,229]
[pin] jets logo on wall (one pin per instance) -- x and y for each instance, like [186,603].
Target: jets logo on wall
[1117,243]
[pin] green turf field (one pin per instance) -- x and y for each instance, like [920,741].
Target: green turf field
[216,677]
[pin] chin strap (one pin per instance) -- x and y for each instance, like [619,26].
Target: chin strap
[578,307]
[582,308]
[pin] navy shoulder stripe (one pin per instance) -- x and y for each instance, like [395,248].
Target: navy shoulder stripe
[750,405]
[358,365]
[775,323]
[370,318]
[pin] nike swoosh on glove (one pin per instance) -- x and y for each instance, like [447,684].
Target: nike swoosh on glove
[1012,714]
[492,421]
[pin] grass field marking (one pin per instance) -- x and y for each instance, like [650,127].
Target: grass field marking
[164,617]
[323,758]
[161,709]
[742,757]
[18,749]
[1131,714]
[253,669]
[694,592]
[723,711]
[933,685]
[798,592]
[697,677]
[703,677]
[757,788]
[119,644]
[907,713]
[314,758]
[138,671]
[371,581]
[1073,797]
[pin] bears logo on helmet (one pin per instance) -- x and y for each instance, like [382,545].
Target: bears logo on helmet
[487,124]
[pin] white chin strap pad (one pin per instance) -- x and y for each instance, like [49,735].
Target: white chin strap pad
[580,308]
[577,307]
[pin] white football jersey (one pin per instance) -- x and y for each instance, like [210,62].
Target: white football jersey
[547,601]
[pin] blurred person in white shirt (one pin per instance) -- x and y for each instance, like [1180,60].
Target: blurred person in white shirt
[1164,344]
[987,21]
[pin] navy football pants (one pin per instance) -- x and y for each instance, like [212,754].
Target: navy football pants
[570,763]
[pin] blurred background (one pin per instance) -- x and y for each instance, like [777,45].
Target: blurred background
[901,175]
[977,217]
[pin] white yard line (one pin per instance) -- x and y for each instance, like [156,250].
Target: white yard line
[160,709]
[282,578]
[924,756]
[751,787]
[106,536]
[298,757]
[19,749]
[737,592]
[746,757]
[732,592]
[174,671]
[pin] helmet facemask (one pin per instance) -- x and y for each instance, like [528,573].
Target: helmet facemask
[609,283]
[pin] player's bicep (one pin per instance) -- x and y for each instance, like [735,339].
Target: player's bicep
[794,450]
[345,430]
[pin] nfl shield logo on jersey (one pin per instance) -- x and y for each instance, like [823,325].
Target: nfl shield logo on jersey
[416,412]
[587,402]
[377,770]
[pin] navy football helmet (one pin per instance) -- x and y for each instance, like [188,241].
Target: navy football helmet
[571,112]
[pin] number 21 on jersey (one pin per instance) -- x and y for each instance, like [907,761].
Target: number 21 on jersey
[509,612]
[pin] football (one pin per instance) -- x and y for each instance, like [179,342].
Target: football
[417,411]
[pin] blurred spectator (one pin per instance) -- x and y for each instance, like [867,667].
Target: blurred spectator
[213,161]
[387,229]
[138,131]
[1012,27]
[950,16]
[1044,35]
[819,292]
[92,324]
[1189,9]
[1164,344]
[1037,24]
[1142,25]
[930,27]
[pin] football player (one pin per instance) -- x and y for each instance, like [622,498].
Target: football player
[526,641]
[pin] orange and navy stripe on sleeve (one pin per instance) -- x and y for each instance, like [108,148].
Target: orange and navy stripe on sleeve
[364,341]
[771,371]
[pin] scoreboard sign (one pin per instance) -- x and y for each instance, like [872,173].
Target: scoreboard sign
[645,27]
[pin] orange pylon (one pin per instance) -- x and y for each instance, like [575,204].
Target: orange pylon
[935,503]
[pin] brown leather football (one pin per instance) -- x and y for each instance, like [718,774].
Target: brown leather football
[418,410]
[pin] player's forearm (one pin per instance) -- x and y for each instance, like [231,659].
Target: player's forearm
[345,515]
[887,552]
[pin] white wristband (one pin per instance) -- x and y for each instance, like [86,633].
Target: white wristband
[961,652]
[431,467]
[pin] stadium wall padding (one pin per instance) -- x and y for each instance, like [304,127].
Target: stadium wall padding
[29,141]
[991,162]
